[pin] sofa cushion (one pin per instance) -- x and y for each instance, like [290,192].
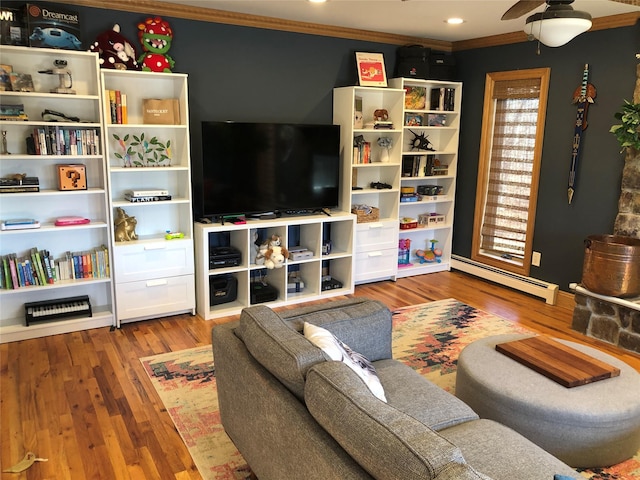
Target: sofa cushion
[409,392]
[278,347]
[386,442]
[361,323]
[339,351]
[276,341]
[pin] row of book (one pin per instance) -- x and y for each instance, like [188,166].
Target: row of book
[38,267]
[117,106]
[443,99]
[65,141]
[420,165]
[362,153]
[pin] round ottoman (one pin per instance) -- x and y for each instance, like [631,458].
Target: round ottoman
[593,425]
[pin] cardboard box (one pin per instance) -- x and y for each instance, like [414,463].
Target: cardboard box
[50,26]
[13,27]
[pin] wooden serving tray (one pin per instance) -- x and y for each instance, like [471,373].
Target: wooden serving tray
[557,361]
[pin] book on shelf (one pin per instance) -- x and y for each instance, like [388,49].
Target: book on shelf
[19,185]
[151,192]
[362,153]
[59,140]
[116,103]
[147,198]
[443,99]
[19,224]
[415,98]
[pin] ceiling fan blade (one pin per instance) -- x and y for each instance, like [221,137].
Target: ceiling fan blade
[522,7]
[629,2]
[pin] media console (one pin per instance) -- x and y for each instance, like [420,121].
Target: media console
[322,273]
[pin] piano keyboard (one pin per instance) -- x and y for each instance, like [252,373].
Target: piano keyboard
[59,308]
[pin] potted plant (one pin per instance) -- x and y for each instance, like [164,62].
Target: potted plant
[628,132]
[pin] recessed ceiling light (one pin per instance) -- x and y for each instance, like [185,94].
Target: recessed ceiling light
[317,1]
[454,21]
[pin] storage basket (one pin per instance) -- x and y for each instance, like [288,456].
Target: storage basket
[366,214]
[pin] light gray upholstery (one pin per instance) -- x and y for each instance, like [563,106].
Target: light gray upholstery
[265,368]
[592,425]
[386,442]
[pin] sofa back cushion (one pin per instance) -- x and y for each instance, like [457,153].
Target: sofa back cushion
[386,442]
[276,340]
[278,347]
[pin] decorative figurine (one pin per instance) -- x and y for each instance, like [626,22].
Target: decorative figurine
[3,146]
[421,142]
[125,226]
[155,36]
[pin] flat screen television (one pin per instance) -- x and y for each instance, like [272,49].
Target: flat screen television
[275,168]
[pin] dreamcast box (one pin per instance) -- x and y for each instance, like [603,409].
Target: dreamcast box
[51,26]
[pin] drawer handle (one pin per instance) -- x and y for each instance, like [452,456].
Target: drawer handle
[157,283]
[155,247]
[375,254]
[375,225]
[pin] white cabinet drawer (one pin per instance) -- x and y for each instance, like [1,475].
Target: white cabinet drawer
[376,264]
[159,296]
[376,235]
[147,260]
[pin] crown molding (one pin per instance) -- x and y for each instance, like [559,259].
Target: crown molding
[152,7]
[601,23]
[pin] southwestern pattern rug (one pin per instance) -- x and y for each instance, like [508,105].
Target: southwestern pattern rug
[428,337]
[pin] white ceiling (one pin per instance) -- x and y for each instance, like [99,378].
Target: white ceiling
[415,18]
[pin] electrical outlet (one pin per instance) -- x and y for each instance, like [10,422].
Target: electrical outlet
[535,259]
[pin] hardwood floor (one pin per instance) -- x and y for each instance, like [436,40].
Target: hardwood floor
[83,401]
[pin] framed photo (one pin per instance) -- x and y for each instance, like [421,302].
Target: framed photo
[21,82]
[371,72]
[72,177]
[5,81]
[413,119]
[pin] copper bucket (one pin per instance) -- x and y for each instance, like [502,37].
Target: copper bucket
[612,265]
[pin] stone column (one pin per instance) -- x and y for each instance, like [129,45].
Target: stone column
[628,219]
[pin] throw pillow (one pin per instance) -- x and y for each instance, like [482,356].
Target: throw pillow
[340,352]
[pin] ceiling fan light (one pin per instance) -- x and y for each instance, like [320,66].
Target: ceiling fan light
[555,28]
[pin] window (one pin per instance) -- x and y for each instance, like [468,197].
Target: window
[509,167]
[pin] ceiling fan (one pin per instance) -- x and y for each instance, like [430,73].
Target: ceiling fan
[558,24]
[522,7]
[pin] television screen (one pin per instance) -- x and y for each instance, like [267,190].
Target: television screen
[253,168]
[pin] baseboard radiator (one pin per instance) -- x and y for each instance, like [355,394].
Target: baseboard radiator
[533,286]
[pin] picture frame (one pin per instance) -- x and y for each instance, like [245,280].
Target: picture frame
[21,82]
[413,119]
[371,71]
[72,177]
[5,80]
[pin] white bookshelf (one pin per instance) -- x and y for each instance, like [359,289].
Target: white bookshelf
[50,203]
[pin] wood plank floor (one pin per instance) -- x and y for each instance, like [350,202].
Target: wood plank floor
[83,401]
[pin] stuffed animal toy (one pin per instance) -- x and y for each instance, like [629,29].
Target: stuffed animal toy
[115,51]
[276,254]
[155,36]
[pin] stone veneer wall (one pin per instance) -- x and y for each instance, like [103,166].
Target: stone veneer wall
[604,320]
[607,321]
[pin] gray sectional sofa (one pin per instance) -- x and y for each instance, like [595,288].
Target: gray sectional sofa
[294,414]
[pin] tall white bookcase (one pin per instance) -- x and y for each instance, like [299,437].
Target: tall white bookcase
[403,169]
[50,202]
[153,275]
[440,118]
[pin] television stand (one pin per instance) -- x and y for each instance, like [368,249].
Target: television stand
[310,232]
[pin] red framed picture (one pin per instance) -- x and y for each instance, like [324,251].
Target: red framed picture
[371,72]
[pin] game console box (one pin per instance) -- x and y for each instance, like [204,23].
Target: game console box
[221,257]
[262,292]
[13,27]
[51,26]
[222,289]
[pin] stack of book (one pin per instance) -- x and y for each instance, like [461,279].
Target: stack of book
[443,99]
[138,196]
[117,106]
[19,224]
[19,185]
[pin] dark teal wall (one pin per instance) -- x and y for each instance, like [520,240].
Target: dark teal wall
[252,74]
[560,228]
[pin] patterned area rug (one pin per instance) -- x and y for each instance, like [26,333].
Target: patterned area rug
[427,337]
